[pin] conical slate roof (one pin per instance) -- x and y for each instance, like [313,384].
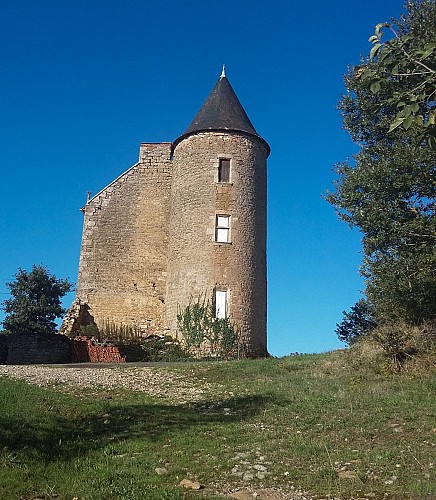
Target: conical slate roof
[221,111]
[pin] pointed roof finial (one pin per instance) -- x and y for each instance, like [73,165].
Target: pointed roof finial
[221,111]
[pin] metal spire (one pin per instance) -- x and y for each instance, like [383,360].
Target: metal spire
[223,73]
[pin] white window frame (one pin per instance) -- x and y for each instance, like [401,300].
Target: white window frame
[222,228]
[221,298]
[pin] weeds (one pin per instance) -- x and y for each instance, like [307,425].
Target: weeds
[205,334]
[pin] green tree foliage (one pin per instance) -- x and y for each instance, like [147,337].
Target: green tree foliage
[405,66]
[357,323]
[35,302]
[388,190]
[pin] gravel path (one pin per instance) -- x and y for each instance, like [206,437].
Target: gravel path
[157,382]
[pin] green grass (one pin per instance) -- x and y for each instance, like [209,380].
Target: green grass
[313,422]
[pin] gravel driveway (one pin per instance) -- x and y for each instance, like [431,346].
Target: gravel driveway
[157,381]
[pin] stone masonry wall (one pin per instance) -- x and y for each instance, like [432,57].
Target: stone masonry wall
[197,264]
[32,348]
[123,261]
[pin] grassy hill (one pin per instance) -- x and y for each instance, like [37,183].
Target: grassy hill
[310,426]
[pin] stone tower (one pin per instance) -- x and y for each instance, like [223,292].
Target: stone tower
[217,237]
[187,221]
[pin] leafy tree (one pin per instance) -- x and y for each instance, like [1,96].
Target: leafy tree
[406,64]
[35,302]
[357,323]
[388,190]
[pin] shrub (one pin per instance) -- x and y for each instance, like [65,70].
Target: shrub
[356,323]
[133,346]
[202,331]
[402,341]
[368,356]
[112,331]
[153,348]
[89,331]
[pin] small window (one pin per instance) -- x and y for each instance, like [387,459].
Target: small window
[222,229]
[224,170]
[221,304]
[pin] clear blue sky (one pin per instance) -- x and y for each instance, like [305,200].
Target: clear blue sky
[85,82]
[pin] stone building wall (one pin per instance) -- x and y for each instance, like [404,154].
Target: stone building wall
[197,264]
[123,261]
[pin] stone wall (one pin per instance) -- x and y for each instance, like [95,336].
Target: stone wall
[196,263]
[122,269]
[77,317]
[32,348]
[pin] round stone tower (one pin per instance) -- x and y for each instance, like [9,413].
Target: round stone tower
[217,236]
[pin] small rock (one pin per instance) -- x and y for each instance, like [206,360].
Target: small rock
[260,475]
[236,471]
[260,468]
[241,495]
[396,427]
[391,480]
[346,474]
[248,476]
[160,471]
[193,485]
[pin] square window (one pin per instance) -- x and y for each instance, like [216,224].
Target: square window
[221,304]
[222,229]
[224,170]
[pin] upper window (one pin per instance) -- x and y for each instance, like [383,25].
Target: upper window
[224,170]
[222,229]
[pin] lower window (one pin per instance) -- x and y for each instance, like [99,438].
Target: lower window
[221,303]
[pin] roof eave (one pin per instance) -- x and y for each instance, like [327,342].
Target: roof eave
[228,130]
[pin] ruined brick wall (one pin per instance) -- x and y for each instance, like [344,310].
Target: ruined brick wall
[123,260]
[196,263]
[84,351]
